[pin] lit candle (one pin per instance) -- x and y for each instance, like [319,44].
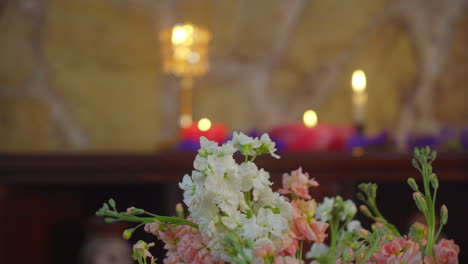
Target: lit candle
[204,124]
[310,118]
[358,82]
[204,127]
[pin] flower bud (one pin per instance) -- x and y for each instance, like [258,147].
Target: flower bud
[112,203]
[428,150]
[434,181]
[412,184]
[443,214]
[420,202]
[365,211]
[127,233]
[363,232]
[180,210]
[416,152]
[134,211]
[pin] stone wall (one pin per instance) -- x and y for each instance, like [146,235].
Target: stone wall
[86,75]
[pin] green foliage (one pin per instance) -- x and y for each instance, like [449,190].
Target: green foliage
[425,200]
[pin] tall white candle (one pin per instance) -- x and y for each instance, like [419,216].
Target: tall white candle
[358,82]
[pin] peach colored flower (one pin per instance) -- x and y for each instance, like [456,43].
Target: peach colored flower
[172,258]
[290,245]
[446,252]
[399,250]
[304,226]
[298,183]
[153,228]
[266,249]
[304,208]
[169,237]
[310,231]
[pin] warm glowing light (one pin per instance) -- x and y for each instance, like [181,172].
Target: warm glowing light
[358,81]
[185,49]
[310,118]
[182,34]
[204,124]
[185,121]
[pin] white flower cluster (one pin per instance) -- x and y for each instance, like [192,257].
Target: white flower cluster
[223,196]
[335,205]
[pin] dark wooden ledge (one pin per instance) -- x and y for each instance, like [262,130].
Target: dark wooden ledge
[171,166]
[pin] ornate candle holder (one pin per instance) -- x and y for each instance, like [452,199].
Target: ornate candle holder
[185,50]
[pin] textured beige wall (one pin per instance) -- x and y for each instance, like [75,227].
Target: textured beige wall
[86,75]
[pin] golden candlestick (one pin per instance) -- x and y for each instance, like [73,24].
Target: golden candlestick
[185,53]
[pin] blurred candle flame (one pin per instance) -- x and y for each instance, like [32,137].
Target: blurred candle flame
[310,118]
[204,124]
[358,81]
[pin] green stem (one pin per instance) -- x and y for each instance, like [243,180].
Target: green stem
[431,221]
[147,220]
[371,251]
[299,255]
[334,239]
[249,204]
[427,190]
[380,217]
[438,232]
[244,257]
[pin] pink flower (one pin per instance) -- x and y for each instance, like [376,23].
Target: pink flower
[399,250]
[185,244]
[169,237]
[172,258]
[310,231]
[290,245]
[304,226]
[446,252]
[298,183]
[153,228]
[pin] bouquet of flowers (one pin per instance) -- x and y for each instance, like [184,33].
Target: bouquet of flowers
[235,217]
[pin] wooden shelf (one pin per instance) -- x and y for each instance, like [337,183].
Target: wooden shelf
[171,166]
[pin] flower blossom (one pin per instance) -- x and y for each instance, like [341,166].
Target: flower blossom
[446,251]
[290,245]
[298,183]
[185,244]
[305,227]
[141,251]
[399,250]
[317,250]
